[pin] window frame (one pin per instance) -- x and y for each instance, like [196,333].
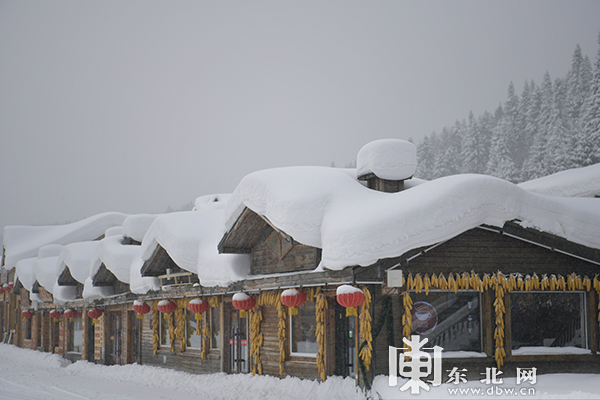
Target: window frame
[212,328]
[291,335]
[191,317]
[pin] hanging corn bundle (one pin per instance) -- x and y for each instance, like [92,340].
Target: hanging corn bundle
[281,333]
[320,332]
[365,329]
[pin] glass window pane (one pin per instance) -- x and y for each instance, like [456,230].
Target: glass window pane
[303,327]
[449,320]
[76,342]
[547,319]
[164,330]
[195,341]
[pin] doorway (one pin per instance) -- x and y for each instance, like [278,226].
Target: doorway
[135,335]
[238,343]
[115,329]
[345,343]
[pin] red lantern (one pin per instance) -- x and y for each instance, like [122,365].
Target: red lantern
[26,314]
[350,297]
[94,314]
[70,313]
[198,306]
[55,315]
[293,298]
[11,285]
[166,306]
[141,308]
[243,302]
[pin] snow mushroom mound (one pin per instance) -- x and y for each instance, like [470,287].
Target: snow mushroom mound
[391,159]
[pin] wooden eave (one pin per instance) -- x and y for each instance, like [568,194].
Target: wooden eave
[36,287]
[248,228]
[66,279]
[158,264]
[18,286]
[104,277]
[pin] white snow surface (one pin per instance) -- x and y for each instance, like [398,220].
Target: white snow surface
[576,182]
[141,284]
[78,258]
[28,375]
[24,272]
[24,241]
[135,226]
[191,238]
[353,225]
[239,296]
[116,256]
[91,292]
[45,272]
[391,159]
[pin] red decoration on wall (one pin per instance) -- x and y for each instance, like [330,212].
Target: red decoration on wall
[198,306]
[70,313]
[94,314]
[166,306]
[141,308]
[243,302]
[350,297]
[293,298]
[26,314]
[55,315]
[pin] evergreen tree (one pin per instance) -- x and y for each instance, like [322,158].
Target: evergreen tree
[591,119]
[474,154]
[426,159]
[558,155]
[535,165]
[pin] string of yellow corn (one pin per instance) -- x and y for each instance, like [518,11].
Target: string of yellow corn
[321,305]
[256,338]
[155,333]
[281,314]
[365,329]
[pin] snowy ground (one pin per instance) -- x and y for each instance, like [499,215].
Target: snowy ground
[32,375]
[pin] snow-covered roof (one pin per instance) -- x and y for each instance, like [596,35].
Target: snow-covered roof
[135,226]
[576,182]
[24,272]
[141,284]
[78,257]
[24,241]
[45,272]
[115,256]
[391,159]
[191,238]
[91,292]
[353,225]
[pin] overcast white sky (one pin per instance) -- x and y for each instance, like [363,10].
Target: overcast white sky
[133,106]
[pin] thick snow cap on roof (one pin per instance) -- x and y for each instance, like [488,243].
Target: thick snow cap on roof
[353,225]
[45,272]
[576,182]
[191,238]
[136,226]
[141,284]
[24,241]
[91,292]
[391,159]
[116,256]
[63,294]
[24,272]
[78,257]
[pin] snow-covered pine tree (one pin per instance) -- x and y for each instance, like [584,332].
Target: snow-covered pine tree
[474,153]
[504,141]
[591,118]
[561,140]
[535,165]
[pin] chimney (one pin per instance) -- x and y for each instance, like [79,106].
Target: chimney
[385,164]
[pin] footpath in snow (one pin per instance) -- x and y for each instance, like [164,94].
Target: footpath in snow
[32,375]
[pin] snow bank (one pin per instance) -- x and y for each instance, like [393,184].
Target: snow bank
[214,386]
[24,241]
[327,208]
[576,182]
[78,257]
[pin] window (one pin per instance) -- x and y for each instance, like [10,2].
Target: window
[194,341]
[303,326]
[164,329]
[547,319]
[75,336]
[450,320]
[215,328]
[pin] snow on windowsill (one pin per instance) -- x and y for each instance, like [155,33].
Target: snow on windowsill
[463,354]
[541,350]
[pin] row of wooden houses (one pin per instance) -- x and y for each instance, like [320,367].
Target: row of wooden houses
[495,274]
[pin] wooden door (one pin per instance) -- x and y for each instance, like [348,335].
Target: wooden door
[345,343]
[115,330]
[239,360]
[135,338]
